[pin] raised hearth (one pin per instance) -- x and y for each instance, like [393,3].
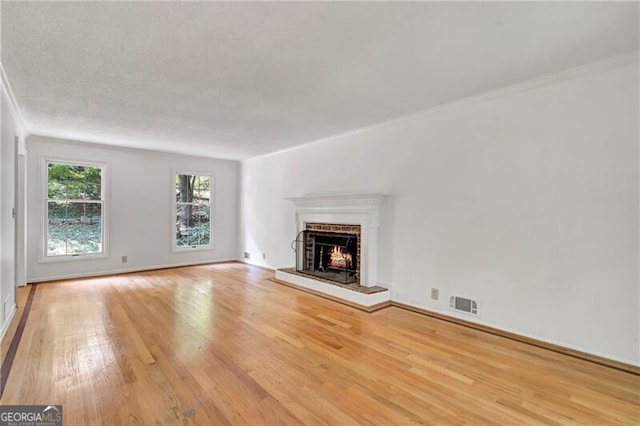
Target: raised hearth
[361,295]
[352,287]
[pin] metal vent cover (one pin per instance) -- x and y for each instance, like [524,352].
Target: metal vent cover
[463,304]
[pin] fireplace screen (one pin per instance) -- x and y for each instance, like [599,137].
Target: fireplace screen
[329,255]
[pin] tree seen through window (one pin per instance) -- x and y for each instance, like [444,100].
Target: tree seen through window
[193,210]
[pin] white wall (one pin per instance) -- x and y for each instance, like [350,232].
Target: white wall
[525,199]
[11,128]
[139,208]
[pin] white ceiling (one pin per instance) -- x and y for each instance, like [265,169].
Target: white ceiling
[235,80]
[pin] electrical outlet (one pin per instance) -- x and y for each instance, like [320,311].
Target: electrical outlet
[125,259]
[264,256]
[247,255]
[435,293]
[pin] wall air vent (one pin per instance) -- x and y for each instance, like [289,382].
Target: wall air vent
[463,305]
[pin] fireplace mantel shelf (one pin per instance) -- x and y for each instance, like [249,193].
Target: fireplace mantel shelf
[348,202]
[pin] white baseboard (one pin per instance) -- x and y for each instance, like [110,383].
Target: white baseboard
[246,262]
[125,271]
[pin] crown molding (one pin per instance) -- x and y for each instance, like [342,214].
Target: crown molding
[11,99]
[625,59]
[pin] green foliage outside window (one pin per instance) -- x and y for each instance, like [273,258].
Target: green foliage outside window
[74,182]
[74,209]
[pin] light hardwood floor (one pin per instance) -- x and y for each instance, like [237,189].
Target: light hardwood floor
[221,344]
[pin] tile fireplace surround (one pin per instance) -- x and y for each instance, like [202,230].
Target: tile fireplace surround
[363,210]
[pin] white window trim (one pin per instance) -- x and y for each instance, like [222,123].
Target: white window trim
[44,188]
[212,205]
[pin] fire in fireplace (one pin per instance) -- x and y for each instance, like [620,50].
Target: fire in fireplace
[329,251]
[340,259]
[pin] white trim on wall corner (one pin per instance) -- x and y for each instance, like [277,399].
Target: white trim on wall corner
[8,92]
[7,322]
[523,86]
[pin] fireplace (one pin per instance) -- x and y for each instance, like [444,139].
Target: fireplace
[358,216]
[329,251]
[336,248]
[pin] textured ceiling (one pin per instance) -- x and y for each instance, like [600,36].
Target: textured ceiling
[235,80]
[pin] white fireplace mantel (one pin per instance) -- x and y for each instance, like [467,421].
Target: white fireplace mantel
[360,209]
[368,204]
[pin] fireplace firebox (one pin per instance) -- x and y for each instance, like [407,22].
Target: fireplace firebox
[331,252]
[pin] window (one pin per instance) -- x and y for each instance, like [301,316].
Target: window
[74,210]
[192,211]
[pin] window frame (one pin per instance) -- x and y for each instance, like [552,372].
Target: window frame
[104,191]
[174,204]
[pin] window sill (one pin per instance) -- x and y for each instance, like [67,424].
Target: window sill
[68,258]
[191,249]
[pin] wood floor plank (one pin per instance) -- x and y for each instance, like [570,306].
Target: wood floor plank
[132,334]
[223,345]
